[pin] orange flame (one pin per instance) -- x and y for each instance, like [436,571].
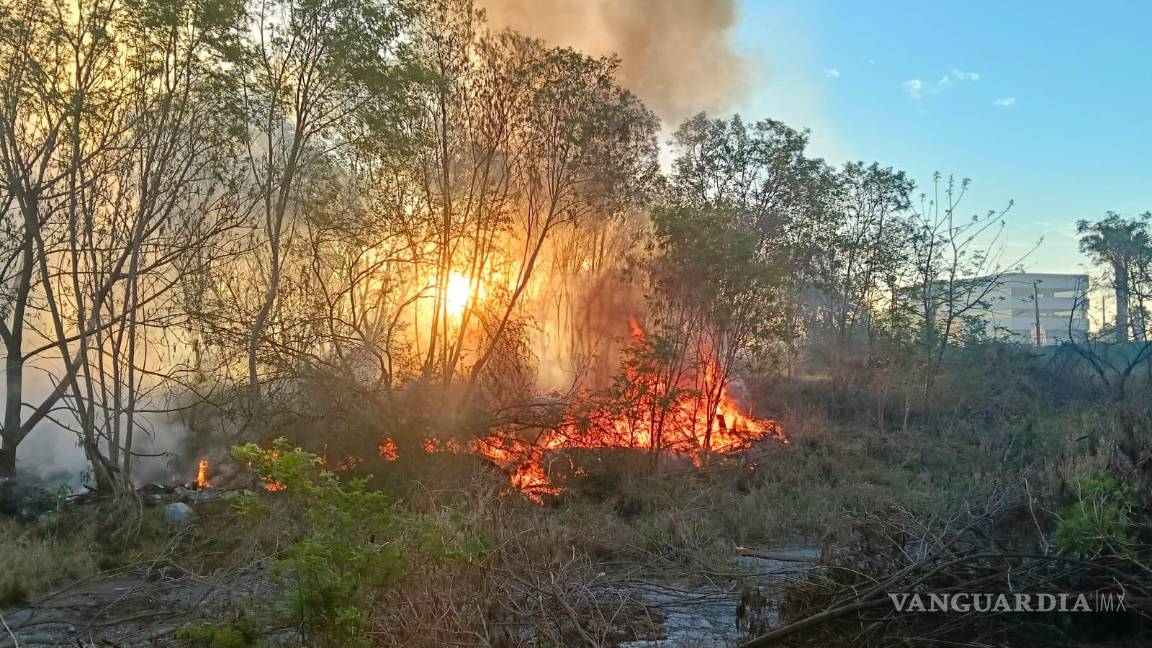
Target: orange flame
[651,412]
[388,449]
[202,474]
[690,415]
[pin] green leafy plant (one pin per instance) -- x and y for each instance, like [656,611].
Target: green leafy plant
[354,543]
[1098,521]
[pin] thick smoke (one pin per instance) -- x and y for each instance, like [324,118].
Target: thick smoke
[676,55]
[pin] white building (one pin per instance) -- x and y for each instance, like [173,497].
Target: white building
[1019,301]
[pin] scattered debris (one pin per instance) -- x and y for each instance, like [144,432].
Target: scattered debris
[139,606]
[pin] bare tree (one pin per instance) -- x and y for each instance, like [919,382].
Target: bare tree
[128,194]
[958,263]
[55,58]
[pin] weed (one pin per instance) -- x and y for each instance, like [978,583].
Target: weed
[1098,521]
[353,544]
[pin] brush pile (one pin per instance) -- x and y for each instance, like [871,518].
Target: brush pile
[866,595]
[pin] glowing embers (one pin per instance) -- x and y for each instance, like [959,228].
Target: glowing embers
[388,450]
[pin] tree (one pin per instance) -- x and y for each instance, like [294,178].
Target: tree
[762,170]
[722,269]
[956,263]
[862,260]
[407,271]
[1125,246]
[713,300]
[519,141]
[114,152]
[320,75]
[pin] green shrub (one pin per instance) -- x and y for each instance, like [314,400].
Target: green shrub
[355,542]
[1097,522]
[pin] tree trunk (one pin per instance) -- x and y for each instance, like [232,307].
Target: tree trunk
[881,404]
[14,386]
[1121,303]
[7,458]
[254,336]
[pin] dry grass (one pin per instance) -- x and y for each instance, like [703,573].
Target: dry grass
[82,540]
[37,558]
[620,511]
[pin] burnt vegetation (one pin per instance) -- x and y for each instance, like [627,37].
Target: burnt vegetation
[371,324]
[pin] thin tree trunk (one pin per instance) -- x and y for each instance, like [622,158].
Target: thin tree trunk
[1121,303]
[13,397]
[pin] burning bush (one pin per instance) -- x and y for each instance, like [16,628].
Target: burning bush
[658,403]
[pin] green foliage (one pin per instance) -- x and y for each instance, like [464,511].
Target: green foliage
[1124,245]
[296,469]
[641,392]
[1098,521]
[1116,241]
[356,541]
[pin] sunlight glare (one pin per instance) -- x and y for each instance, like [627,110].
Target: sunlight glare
[458,294]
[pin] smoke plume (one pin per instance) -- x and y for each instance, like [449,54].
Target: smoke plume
[676,55]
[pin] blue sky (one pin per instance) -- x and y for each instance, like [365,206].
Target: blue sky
[1047,104]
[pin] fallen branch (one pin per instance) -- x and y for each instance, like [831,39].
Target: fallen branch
[775,555]
[9,631]
[783,631]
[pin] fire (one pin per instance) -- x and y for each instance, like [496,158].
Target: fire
[202,474]
[388,450]
[523,460]
[693,414]
[273,486]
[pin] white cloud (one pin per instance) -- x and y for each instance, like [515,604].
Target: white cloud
[832,73]
[1005,102]
[917,88]
[914,88]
